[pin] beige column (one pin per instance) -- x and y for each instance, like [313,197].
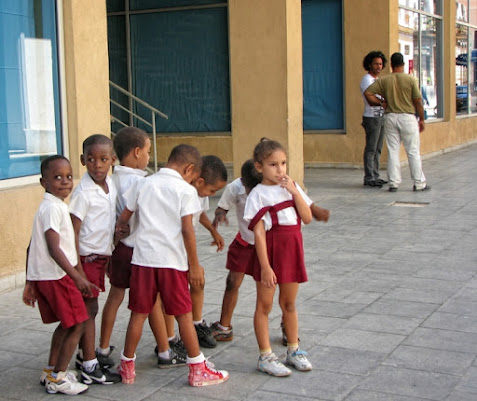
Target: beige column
[87,73]
[266,78]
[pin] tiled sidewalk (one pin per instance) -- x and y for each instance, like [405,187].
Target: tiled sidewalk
[389,313]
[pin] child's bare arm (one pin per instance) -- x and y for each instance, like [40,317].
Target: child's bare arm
[76,227]
[29,293]
[196,271]
[303,209]
[267,277]
[319,213]
[53,243]
[220,217]
[121,230]
[217,238]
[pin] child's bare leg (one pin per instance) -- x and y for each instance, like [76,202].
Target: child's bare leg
[158,325]
[287,297]
[197,297]
[260,319]
[56,343]
[68,346]
[170,320]
[110,310]
[133,334]
[89,336]
[229,301]
[188,334]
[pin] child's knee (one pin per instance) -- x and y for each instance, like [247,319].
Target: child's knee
[232,283]
[92,307]
[288,306]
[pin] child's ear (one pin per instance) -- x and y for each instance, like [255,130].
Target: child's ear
[82,160]
[137,149]
[113,159]
[199,182]
[43,182]
[189,168]
[258,166]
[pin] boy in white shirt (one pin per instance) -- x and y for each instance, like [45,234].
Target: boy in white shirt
[165,259]
[52,278]
[93,213]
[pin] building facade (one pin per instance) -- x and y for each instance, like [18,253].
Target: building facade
[226,73]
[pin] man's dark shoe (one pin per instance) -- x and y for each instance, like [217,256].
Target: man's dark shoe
[380,181]
[372,184]
[426,188]
[393,189]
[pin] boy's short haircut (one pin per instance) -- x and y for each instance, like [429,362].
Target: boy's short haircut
[213,170]
[96,139]
[186,154]
[45,164]
[249,174]
[127,139]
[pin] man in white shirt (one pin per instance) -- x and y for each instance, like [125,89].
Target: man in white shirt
[373,121]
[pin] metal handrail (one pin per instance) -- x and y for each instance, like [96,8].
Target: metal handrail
[133,115]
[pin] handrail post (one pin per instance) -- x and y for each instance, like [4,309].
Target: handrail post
[154,139]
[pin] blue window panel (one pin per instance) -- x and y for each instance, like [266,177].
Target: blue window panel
[323,101]
[180,65]
[135,5]
[32,20]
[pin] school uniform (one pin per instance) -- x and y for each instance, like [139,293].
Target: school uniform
[275,206]
[58,297]
[159,258]
[97,212]
[240,255]
[120,274]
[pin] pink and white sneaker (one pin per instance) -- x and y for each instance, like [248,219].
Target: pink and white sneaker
[127,370]
[203,374]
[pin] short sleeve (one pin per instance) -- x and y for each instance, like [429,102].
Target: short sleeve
[50,219]
[375,87]
[131,195]
[306,198]
[416,93]
[252,206]
[190,203]
[78,205]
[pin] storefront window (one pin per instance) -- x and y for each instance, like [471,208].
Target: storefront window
[466,57]
[30,128]
[420,41]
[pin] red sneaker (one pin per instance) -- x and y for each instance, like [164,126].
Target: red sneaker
[127,370]
[203,374]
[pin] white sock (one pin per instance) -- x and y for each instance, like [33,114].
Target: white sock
[196,359]
[174,338]
[165,354]
[125,358]
[88,366]
[103,351]
[225,328]
[198,322]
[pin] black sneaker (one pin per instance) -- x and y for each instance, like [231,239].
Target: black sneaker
[204,334]
[105,361]
[173,361]
[100,376]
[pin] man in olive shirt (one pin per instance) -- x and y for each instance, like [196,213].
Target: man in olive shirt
[402,101]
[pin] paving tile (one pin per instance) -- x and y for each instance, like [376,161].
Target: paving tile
[363,340]
[412,383]
[383,324]
[401,308]
[431,360]
[452,321]
[442,339]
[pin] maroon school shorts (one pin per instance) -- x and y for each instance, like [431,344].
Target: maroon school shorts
[94,267]
[240,256]
[147,282]
[60,301]
[120,272]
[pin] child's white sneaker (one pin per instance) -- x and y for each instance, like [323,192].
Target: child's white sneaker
[271,365]
[299,361]
[63,384]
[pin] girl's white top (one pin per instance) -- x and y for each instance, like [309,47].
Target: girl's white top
[269,195]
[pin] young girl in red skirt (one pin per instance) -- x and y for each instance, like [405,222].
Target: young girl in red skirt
[275,209]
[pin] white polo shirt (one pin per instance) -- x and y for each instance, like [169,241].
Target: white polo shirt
[269,195]
[161,199]
[235,195]
[97,211]
[51,214]
[124,178]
